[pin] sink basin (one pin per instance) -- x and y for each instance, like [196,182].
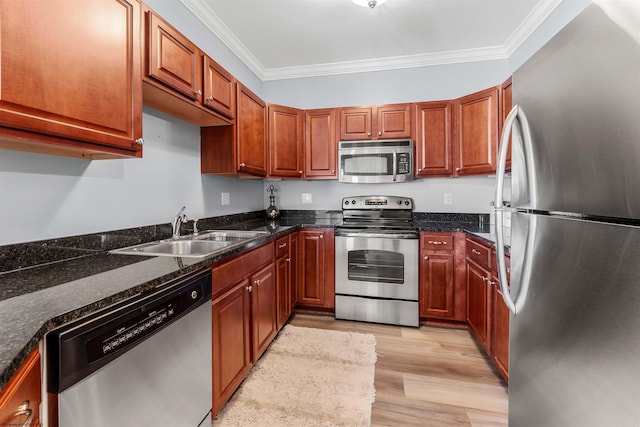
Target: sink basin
[227,235]
[198,245]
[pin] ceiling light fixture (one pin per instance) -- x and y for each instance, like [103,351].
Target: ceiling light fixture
[368,3]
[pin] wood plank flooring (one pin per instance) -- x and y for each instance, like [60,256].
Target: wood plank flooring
[427,376]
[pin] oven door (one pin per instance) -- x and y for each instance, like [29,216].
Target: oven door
[381,267]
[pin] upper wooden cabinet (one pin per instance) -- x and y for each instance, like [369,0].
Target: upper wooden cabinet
[376,122]
[286,139]
[218,88]
[181,80]
[70,77]
[240,149]
[506,104]
[476,132]
[321,144]
[434,153]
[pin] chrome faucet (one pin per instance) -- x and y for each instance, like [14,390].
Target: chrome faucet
[180,219]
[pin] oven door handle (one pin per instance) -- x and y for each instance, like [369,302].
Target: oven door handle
[400,235]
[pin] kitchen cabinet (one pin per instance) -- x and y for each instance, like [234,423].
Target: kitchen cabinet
[443,295]
[240,149]
[58,74]
[500,321]
[479,292]
[243,317]
[434,151]
[286,139]
[316,279]
[506,104]
[21,397]
[476,132]
[321,144]
[376,122]
[286,276]
[436,275]
[181,80]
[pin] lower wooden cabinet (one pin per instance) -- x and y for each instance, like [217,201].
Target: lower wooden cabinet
[500,349]
[20,398]
[263,309]
[316,276]
[286,277]
[479,304]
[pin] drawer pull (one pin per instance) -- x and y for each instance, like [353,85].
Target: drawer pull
[475,252]
[249,288]
[24,410]
[284,245]
[432,242]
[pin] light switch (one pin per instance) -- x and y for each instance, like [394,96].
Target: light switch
[225,199]
[307,198]
[448,198]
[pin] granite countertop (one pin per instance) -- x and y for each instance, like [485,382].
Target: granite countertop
[46,284]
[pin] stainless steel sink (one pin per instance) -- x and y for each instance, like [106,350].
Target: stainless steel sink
[197,245]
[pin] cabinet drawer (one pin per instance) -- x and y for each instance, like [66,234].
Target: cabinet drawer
[282,247]
[436,241]
[228,273]
[478,253]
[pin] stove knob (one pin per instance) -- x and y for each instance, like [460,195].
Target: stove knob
[399,202]
[406,202]
[353,202]
[346,202]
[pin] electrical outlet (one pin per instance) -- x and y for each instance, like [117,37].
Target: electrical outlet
[306,198]
[448,198]
[225,199]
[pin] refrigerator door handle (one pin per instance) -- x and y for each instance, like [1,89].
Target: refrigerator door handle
[516,122]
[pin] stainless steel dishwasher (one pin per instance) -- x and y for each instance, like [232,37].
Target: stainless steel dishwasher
[143,362]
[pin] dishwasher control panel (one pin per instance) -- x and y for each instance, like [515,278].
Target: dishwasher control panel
[83,346]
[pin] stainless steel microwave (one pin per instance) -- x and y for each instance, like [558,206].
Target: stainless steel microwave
[378,161]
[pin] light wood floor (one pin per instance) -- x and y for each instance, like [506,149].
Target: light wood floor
[428,377]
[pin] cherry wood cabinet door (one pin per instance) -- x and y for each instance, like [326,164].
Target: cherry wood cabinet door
[71,71]
[172,58]
[476,132]
[478,303]
[231,345]
[500,347]
[434,151]
[393,121]
[263,309]
[22,394]
[321,144]
[218,88]
[293,270]
[506,104]
[355,123]
[436,270]
[282,291]
[316,283]
[286,138]
[251,122]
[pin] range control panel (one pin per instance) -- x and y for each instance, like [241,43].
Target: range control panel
[377,202]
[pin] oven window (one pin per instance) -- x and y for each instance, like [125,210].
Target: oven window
[371,265]
[367,164]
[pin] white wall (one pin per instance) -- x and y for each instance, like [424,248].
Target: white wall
[470,194]
[45,196]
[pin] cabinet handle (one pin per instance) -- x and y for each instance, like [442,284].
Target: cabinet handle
[322,236]
[139,141]
[419,169]
[457,169]
[198,92]
[491,283]
[333,171]
[475,252]
[369,134]
[431,242]
[284,245]
[379,133]
[249,288]
[209,99]
[426,257]
[257,282]
[287,259]
[242,164]
[484,279]
[299,172]
[24,410]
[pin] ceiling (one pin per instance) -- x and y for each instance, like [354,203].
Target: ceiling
[279,39]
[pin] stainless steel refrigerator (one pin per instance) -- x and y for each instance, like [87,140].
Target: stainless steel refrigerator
[575,237]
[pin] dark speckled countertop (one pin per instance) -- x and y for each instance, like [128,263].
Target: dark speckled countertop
[48,283]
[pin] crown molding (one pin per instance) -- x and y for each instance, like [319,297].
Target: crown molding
[202,12]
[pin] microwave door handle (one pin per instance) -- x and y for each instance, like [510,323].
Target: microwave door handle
[395,171]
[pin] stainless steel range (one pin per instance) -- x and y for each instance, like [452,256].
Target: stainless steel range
[377,261]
